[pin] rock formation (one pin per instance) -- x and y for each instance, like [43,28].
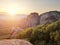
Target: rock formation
[49,17]
[14,42]
[34,19]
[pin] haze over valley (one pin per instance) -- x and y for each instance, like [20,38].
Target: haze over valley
[29,22]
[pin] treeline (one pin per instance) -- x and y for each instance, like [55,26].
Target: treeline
[42,34]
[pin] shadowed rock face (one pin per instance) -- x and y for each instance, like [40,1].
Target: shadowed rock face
[49,17]
[14,42]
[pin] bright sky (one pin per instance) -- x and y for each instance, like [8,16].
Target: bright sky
[28,6]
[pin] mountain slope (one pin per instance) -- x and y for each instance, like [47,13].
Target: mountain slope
[43,34]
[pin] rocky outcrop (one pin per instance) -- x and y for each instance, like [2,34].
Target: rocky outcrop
[30,21]
[34,19]
[14,42]
[49,17]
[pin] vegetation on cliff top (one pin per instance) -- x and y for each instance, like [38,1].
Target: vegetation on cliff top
[43,34]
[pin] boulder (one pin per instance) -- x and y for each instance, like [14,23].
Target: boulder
[14,42]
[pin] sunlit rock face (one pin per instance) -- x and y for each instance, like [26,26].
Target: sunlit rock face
[30,21]
[49,17]
[33,19]
[14,42]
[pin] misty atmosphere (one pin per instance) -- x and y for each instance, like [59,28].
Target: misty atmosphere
[29,22]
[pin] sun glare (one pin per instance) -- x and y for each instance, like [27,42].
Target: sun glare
[12,12]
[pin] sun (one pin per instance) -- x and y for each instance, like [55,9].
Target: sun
[12,12]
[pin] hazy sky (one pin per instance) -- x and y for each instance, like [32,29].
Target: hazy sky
[27,6]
